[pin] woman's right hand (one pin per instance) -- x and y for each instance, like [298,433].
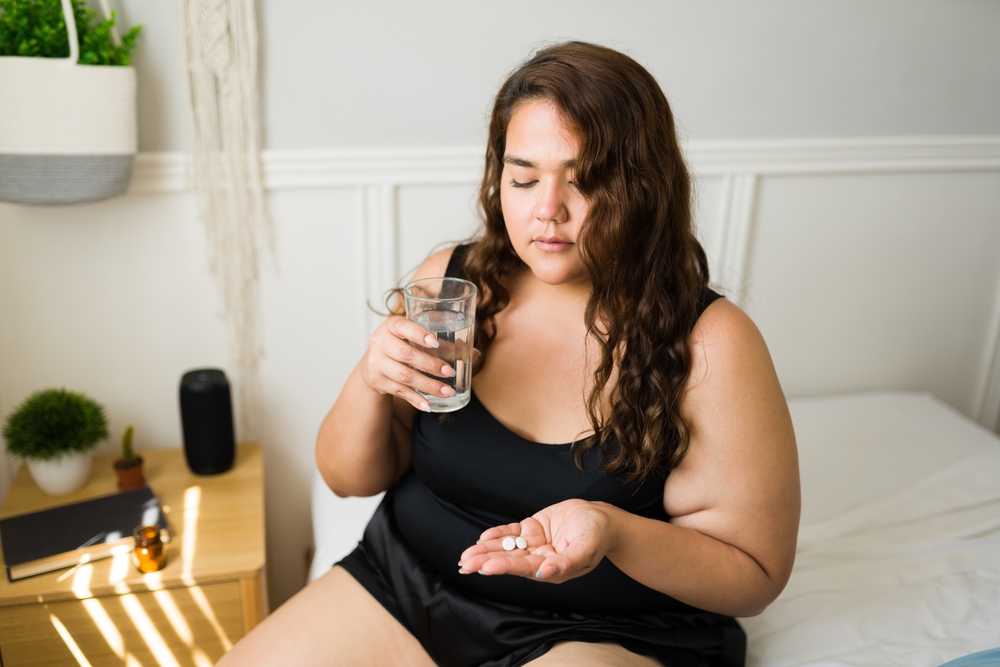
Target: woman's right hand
[393,366]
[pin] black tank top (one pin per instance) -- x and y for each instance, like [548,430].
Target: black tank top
[470,472]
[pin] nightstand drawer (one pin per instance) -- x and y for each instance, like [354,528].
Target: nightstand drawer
[179,626]
[211,592]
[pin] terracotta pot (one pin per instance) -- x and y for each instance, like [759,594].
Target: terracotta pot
[129,477]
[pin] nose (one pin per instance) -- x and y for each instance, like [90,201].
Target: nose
[551,203]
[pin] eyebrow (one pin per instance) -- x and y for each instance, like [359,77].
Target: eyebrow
[521,162]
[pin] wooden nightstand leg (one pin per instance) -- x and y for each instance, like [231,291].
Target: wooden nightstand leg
[253,599]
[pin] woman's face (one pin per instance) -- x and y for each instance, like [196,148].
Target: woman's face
[542,206]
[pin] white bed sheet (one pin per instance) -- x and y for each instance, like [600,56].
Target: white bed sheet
[899,546]
[338,524]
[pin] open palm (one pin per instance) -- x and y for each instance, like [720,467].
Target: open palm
[565,540]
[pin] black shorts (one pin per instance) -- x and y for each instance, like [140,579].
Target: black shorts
[458,629]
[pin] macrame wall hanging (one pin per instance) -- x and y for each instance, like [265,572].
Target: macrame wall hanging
[219,49]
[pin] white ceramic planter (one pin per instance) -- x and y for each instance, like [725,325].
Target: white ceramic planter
[68,132]
[63,474]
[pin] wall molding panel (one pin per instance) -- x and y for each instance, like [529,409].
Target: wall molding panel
[380,231]
[989,392]
[740,164]
[377,174]
[739,202]
[166,172]
[162,172]
[842,155]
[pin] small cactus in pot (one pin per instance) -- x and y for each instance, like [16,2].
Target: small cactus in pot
[128,468]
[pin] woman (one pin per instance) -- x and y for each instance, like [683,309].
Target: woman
[625,422]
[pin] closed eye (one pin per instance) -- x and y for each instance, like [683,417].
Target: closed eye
[518,184]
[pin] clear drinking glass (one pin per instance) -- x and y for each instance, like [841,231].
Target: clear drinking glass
[447,308]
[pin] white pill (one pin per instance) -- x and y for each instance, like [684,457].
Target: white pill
[521,543]
[508,544]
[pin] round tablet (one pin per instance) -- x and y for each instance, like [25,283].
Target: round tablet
[521,542]
[508,544]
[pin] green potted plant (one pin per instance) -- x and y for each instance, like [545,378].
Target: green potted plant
[37,28]
[67,112]
[128,468]
[55,431]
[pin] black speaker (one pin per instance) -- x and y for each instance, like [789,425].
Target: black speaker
[207,421]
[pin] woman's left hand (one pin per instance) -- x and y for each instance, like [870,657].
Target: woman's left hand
[564,541]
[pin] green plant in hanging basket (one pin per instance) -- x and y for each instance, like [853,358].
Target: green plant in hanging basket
[53,422]
[37,28]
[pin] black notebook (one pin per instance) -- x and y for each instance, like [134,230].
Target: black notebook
[68,535]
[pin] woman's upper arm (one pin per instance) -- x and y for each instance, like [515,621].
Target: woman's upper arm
[357,433]
[739,481]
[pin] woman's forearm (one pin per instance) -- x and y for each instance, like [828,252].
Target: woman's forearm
[360,449]
[690,566]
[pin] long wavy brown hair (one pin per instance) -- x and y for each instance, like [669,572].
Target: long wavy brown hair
[646,267]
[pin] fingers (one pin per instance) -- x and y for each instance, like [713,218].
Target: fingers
[491,542]
[544,557]
[520,562]
[523,565]
[489,556]
[410,331]
[397,346]
[541,564]
[500,532]
[398,363]
[554,568]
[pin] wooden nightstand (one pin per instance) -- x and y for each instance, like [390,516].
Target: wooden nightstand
[211,592]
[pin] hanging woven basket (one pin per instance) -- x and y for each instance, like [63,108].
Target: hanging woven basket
[67,131]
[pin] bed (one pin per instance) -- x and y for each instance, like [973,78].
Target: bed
[899,546]
[898,559]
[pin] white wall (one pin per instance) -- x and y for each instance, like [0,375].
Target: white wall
[395,73]
[915,300]
[114,298]
[424,73]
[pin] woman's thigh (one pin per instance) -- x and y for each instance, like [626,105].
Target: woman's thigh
[585,654]
[332,621]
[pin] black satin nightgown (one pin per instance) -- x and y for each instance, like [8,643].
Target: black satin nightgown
[471,473]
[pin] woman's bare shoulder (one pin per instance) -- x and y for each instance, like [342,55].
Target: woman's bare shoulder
[432,267]
[723,334]
[435,265]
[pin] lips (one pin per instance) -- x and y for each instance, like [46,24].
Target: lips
[551,243]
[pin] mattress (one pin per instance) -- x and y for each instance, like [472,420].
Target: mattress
[898,557]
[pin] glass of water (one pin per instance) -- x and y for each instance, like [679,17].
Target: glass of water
[447,308]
